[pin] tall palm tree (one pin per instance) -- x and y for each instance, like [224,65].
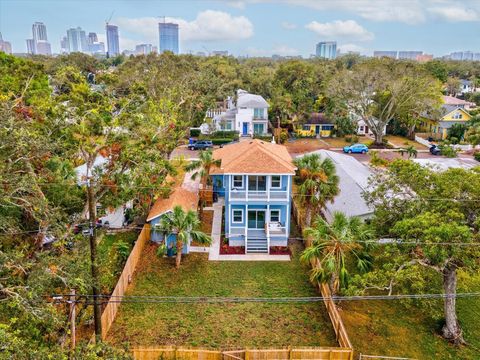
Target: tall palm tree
[203,165]
[184,225]
[335,245]
[318,183]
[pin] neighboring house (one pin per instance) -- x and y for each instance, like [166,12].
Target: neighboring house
[353,177]
[255,177]
[467,86]
[185,198]
[248,116]
[114,217]
[317,125]
[364,129]
[453,111]
[451,100]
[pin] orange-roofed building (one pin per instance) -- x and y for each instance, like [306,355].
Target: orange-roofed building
[184,198]
[255,180]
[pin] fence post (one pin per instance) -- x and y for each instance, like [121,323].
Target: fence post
[73,303]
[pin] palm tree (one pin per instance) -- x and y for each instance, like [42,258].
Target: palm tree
[184,225]
[203,166]
[410,151]
[318,183]
[334,246]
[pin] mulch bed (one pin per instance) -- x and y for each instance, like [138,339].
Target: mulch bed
[226,249]
[279,250]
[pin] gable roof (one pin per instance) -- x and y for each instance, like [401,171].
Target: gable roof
[450,100]
[451,109]
[253,157]
[248,100]
[318,118]
[188,200]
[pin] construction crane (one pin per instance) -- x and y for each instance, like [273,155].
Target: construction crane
[110,18]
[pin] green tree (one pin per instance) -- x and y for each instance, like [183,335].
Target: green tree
[334,246]
[184,225]
[453,86]
[317,183]
[436,214]
[380,90]
[473,131]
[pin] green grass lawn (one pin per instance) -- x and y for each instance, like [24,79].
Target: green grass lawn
[390,328]
[222,325]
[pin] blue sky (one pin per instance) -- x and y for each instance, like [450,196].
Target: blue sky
[259,27]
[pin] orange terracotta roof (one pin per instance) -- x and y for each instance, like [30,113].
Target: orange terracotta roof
[253,157]
[186,199]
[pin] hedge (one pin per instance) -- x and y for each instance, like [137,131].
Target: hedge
[267,138]
[225,134]
[221,141]
[194,132]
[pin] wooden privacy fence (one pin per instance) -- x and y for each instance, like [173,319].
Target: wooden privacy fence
[300,353]
[111,309]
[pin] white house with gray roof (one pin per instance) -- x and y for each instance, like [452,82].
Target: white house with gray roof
[248,116]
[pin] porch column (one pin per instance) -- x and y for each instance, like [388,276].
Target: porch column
[267,229]
[269,179]
[246,227]
[246,187]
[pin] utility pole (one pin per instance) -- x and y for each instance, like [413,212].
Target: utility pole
[73,314]
[97,311]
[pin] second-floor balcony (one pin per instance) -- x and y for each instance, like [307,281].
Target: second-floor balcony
[258,195]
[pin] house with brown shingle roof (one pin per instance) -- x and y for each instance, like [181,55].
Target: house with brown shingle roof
[255,180]
[186,199]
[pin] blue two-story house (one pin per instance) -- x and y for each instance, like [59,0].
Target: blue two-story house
[255,179]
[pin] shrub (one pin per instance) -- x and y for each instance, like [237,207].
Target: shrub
[376,160]
[283,137]
[476,155]
[448,151]
[226,134]
[162,250]
[351,139]
[221,141]
[266,138]
[194,132]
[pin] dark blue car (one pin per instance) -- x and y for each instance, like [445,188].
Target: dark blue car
[356,149]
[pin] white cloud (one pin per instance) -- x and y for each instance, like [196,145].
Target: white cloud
[345,48]
[237,4]
[288,26]
[340,29]
[282,50]
[455,13]
[406,11]
[209,25]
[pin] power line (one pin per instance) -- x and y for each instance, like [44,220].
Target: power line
[273,300]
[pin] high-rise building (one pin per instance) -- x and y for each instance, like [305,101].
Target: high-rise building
[424,58]
[43,48]
[113,46]
[77,40]
[92,38]
[390,54]
[326,49]
[143,49]
[5,46]
[409,55]
[30,47]
[168,34]
[64,45]
[40,42]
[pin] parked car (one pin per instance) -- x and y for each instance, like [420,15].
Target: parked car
[356,149]
[201,145]
[435,150]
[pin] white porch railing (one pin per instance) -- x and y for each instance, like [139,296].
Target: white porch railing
[258,195]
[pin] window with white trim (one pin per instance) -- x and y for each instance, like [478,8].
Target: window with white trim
[276,182]
[237,216]
[275,215]
[237,181]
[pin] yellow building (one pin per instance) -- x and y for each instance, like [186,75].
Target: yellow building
[317,125]
[438,128]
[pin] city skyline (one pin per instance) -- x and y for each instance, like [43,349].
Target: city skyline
[237,26]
